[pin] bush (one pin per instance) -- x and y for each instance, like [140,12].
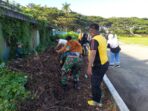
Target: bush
[12,90]
[141,31]
[74,35]
[41,48]
[1,61]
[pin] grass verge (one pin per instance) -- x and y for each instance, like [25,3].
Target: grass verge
[134,40]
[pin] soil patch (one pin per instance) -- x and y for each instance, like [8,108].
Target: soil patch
[47,95]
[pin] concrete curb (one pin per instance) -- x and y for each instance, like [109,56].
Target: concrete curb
[118,100]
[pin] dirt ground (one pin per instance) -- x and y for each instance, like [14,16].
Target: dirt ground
[47,94]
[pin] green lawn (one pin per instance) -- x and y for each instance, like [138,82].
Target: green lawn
[134,40]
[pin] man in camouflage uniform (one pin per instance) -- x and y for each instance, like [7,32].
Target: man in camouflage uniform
[71,68]
[71,63]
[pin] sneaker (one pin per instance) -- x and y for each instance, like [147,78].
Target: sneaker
[111,66]
[102,96]
[94,103]
[117,66]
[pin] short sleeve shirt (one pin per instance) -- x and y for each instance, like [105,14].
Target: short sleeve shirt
[62,41]
[94,46]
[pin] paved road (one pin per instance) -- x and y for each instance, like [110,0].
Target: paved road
[131,79]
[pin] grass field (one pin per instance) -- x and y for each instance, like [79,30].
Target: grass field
[134,40]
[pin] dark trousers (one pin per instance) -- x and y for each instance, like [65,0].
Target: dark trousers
[96,79]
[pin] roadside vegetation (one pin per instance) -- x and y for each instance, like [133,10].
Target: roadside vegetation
[12,90]
[45,91]
[143,40]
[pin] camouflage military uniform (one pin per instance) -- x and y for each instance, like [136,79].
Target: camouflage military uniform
[71,66]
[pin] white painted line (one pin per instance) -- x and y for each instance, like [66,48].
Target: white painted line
[120,103]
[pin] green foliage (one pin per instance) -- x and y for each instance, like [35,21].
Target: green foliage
[129,26]
[67,20]
[141,30]
[40,13]
[72,34]
[64,19]
[12,90]
[40,48]
[1,61]
[66,8]
[44,35]
[16,31]
[143,40]
[45,38]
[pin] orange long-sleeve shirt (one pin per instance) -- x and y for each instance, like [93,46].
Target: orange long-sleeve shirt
[72,46]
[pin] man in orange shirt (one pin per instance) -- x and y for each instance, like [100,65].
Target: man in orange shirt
[72,64]
[72,46]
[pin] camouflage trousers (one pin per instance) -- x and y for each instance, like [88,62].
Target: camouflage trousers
[71,68]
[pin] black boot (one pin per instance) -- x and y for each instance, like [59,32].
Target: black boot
[65,87]
[76,85]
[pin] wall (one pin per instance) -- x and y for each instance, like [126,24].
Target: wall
[1,42]
[35,41]
[4,50]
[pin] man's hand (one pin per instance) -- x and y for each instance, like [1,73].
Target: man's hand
[89,71]
[55,48]
[57,51]
[91,61]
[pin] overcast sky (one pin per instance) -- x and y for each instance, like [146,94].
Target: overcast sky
[104,8]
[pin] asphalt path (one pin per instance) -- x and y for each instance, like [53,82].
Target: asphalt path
[131,79]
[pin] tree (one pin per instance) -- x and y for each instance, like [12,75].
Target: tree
[45,14]
[66,8]
[69,20]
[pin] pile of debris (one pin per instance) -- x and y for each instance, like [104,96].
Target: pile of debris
[43,72]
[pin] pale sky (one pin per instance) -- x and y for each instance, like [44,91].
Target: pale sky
[104,8]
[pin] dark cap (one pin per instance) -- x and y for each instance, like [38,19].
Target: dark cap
[68,38]
[94,26]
